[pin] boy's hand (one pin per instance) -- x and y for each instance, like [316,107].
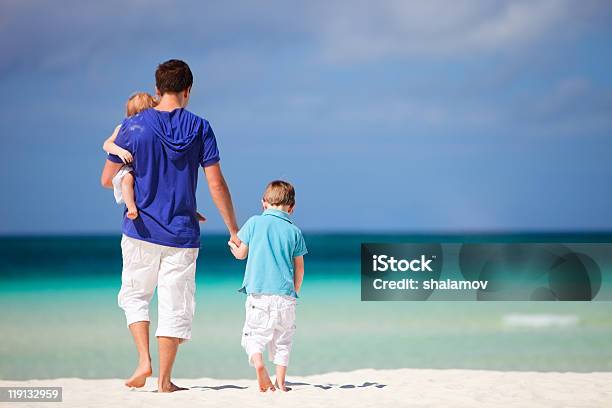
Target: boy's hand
[125,156]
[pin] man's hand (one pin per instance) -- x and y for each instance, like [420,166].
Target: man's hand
[239,251]
[125,156]
[234,239]
[233,248]
[201,218]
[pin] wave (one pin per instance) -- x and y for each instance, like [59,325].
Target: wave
[540,320]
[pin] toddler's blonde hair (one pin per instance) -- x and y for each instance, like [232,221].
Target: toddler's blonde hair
[139,102]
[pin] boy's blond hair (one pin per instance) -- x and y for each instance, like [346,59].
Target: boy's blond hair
[279,192]
[139,102]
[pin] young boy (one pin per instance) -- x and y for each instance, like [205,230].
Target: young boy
[272,280]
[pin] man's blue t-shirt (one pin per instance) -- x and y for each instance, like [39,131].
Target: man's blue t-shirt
[168,148]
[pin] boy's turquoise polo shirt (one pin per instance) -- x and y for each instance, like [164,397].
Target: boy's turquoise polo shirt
[273,242]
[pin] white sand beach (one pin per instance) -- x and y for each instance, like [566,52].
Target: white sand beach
[361,388]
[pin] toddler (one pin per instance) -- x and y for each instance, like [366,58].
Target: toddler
[123,182]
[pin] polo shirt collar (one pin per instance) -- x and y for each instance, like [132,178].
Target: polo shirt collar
[278,213]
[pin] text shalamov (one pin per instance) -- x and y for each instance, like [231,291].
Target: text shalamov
[385,263]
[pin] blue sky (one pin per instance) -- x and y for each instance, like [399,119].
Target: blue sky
[387,116]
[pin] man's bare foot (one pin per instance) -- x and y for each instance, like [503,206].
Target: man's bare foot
[282,386]
[170,387]
[132,213]
[139,378]
[265,383]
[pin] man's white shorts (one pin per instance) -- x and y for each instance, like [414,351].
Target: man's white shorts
[172,271]
[117,183]
[270,320]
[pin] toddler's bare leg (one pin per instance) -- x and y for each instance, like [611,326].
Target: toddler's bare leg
[127,190]
[263,378]
[281,371]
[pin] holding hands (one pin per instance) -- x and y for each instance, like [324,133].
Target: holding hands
[239,251]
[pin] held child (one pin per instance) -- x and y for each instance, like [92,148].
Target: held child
[272,279]
[123,182]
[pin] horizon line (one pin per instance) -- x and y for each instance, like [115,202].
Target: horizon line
[491,232]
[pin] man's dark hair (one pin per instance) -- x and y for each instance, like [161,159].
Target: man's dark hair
[173,76]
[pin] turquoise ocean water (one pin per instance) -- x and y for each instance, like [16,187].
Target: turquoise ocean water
[59,317]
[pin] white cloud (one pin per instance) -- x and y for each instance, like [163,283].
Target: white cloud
[42,35]
[365,30]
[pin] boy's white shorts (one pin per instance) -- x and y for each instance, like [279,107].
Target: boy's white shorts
[172,271]
[117,183]
[270,320]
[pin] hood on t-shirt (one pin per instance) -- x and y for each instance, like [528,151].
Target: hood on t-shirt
[177,130]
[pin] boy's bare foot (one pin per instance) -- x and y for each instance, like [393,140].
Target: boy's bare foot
[132,213]
[170,387]
[265,383]
[139,378]
[281,372]
[281,386]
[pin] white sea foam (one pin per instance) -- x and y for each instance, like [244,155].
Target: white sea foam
[540,320]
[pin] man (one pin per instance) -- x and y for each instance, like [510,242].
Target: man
[161,245]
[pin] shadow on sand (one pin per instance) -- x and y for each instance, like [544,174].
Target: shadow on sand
[343,386]
[295,385]
[219,387]
[290,386]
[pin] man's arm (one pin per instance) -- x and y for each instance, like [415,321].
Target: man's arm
[108,172]
[223,200]
[298,266]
